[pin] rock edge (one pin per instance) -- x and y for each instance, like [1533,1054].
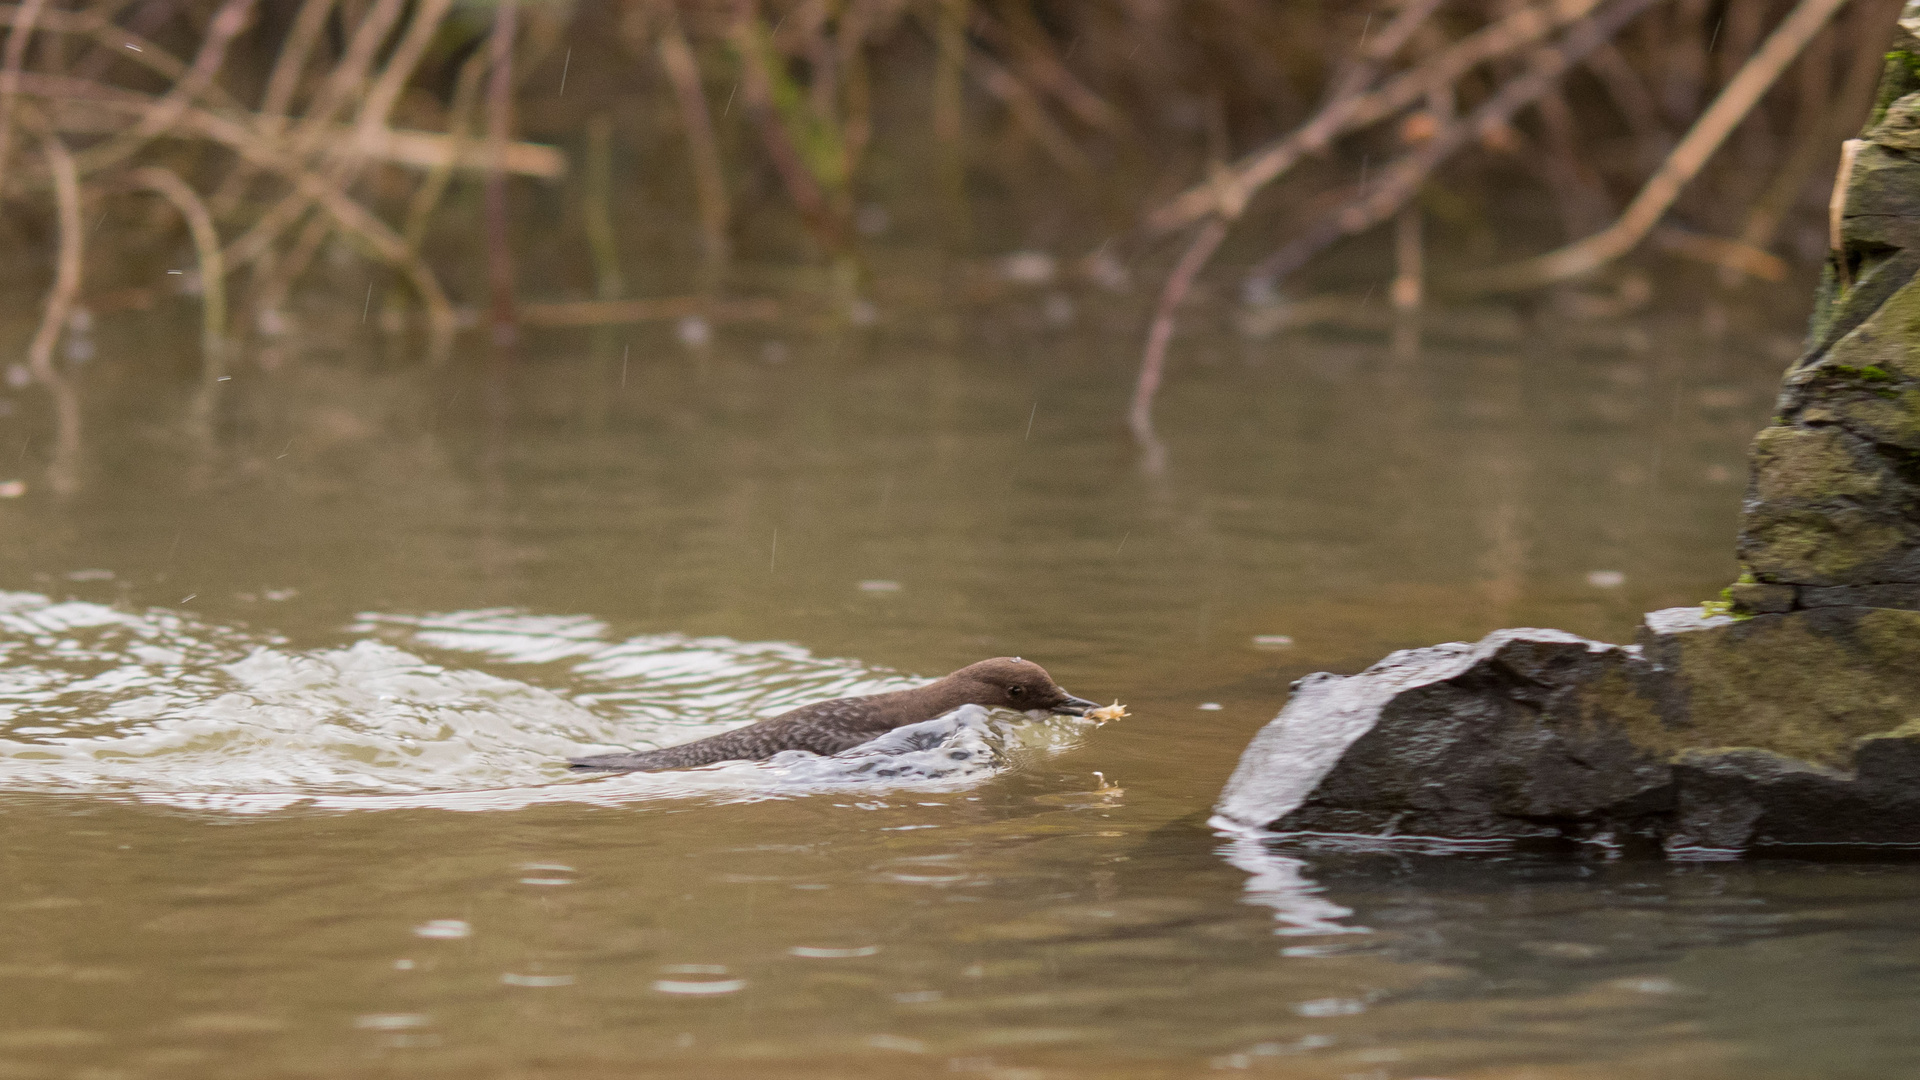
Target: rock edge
[1708,735]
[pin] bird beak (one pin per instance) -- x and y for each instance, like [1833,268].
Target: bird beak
[1074,706]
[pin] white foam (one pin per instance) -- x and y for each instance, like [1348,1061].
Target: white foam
[425,711]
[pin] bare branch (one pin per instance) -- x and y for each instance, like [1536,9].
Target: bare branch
[213,273]
[14,56]
[63,476]
[67,269]
[1713,127]
[1402,180]
[1354,111]
[1160,334]
[227,24]
[292,62]
[709,180]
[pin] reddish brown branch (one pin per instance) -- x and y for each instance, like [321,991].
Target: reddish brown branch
[1153,362]
[499,128]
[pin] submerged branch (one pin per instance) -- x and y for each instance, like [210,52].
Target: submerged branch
[63,476]
[1160,334]
[213,274]
[67,268]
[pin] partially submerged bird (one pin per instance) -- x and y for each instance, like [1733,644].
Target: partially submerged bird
[828,727]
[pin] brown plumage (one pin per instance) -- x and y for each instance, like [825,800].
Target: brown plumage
[828,727]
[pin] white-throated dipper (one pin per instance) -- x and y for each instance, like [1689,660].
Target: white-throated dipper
[828,727]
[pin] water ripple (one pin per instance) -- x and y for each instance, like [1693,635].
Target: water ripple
[163,707]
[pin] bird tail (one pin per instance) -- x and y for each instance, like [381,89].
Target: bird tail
[685,756]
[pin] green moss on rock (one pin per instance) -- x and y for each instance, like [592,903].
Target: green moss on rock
[1810,546]
[1614,701]
[1808,466]
[1799,684]
[1891,418]
[1891,637]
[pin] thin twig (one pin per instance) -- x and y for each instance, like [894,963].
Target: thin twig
[64,474]
[1629,94]
[1837,211]
[422,150]
[426,198]
[1364,67]
[226,25]
[349,215]
[1402,180]
[750,41]
[66,278]
[949,72]
[291,62]
[649,309]
[401,64]
[1708,132]
[1828,119]
[1022,36]
[348,77]
[1031,115]
[153,15]
[1356,110]
[1160,333]
[856,80]
[703,155]
[499,128]
[1729,255]
[597,209]
[94,25]
[213,274]
[279,270]
[1409,260]
[15,55]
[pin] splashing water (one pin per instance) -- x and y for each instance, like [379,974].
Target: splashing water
[163,707]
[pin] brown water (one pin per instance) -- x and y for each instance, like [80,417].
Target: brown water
[285,699]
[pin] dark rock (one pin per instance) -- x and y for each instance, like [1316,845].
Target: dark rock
[1886,595]
[1762,598]
[1737,799]
[1711,732]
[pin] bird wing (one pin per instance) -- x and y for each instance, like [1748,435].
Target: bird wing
[825,727]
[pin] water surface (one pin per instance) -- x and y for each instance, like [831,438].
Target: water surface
[286,699]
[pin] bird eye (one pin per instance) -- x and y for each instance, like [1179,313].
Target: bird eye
[1016,691]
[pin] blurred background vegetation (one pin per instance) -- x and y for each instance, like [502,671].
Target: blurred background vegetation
[614,161]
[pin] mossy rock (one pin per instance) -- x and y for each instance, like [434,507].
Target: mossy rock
[1806,684]
[1898,128]
[1788,728]
[1810,465]
[1820,546]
